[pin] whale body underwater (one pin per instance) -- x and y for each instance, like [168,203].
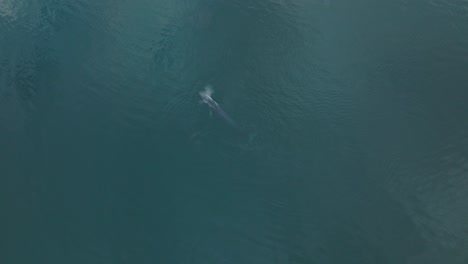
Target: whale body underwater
[206,98]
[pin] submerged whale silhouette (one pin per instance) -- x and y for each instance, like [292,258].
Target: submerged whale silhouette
[206,98]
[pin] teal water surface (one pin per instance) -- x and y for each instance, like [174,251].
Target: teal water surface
[350,142]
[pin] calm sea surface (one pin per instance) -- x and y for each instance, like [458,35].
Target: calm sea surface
[350,142]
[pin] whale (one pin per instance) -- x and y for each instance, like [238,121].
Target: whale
[214,106]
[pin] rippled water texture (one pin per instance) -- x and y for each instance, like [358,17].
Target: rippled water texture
[350,142]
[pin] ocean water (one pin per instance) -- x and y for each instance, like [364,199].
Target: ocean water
[350,141]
